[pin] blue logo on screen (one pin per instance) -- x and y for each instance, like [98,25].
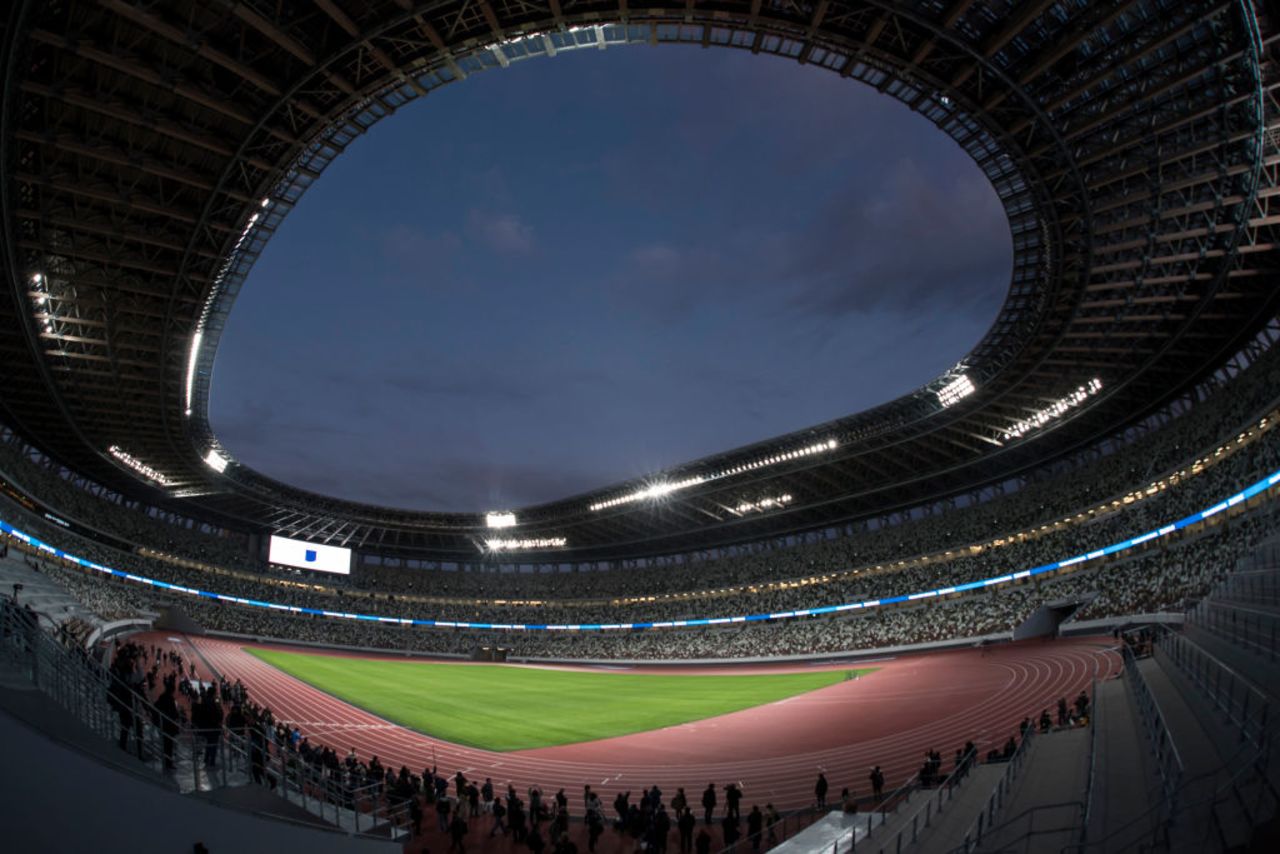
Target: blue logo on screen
[311,556]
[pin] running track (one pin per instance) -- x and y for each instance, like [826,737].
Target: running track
[888,718]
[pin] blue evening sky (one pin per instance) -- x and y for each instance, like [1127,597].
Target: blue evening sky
[579,270]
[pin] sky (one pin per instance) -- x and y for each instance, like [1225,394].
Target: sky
[580,270]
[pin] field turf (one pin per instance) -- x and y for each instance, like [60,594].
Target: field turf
[498,707]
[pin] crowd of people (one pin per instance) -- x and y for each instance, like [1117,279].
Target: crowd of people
[1192,461]
[1048,495]
[159,689]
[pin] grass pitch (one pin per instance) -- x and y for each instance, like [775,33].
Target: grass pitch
[498,707]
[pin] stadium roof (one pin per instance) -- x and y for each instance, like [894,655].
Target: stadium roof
[150,150]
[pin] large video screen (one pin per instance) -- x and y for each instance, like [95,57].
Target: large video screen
[304,555]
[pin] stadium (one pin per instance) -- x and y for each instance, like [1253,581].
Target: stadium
[1031,605]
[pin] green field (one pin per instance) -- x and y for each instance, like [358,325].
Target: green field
[498,707]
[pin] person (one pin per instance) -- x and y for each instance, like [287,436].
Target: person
[458,833]
[415,815]
[685,823]
[709,802]
[771,819]
[621,804]
[820,791]
[679,802]
[730,829]
[486,794]
[534,841]
[594,818]
[442,814]
[1082,704]
[595,822]
[661,829]
[732,797]
[703,843]
[498,811]
[877,782]
[1062,711]
[1046,723]
[755,823]
[167,711]
[516,818]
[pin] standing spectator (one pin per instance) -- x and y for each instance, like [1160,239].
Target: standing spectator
[877,783]
[709,802]
[820,791]
[732,797]
[498,812]
[685,823]
[755,823]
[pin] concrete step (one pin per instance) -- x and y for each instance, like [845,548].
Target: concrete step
[1200,815]
[1126,787]
[1048,799]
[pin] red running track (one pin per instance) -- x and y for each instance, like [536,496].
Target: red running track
[889,718]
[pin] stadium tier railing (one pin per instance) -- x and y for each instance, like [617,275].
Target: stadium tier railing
[1259,586]
[909,831]
[1244,705]
[1168,761]
[1252,628]
[114,711]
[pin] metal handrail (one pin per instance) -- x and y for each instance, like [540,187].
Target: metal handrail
[84,687]
[974,832]
[1192,659]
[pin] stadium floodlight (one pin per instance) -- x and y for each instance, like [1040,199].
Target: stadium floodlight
[1054,410]
[499,545]
[500,519]
[191,364]
[216,461]
[955,391]
[763,504]
[660,489]
[138,465]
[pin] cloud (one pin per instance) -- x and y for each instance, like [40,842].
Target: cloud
[502,232]
[409,246]
[458,382]
[912,242]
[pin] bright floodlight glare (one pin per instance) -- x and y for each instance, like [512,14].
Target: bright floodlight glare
[501,519]
[664,488]
[138,465]
[498,545]
[191,364]
[216,461]
[763,504]
[955,391]
[1054,410]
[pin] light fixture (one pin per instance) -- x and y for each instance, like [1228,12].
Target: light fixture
[191,364]
[660,489]
[500,519]
[1054,410]
[763,504]
[498,545]
[138,465]
[955,391]
[216,461]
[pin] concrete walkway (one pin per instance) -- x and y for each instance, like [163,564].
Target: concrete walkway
[1126,788]
[1048,798]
